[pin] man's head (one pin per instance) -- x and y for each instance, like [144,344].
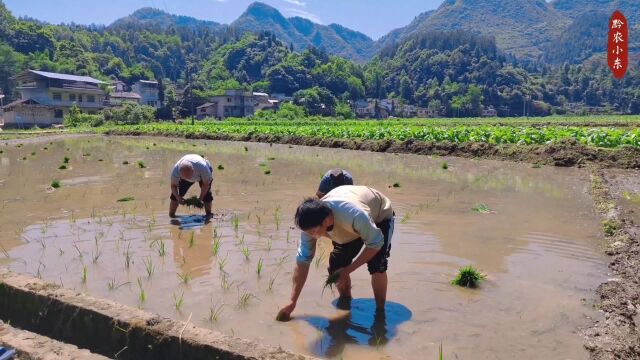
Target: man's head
[186,171]
[337,178]
[314,217]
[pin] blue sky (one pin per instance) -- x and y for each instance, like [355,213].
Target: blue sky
[372,17]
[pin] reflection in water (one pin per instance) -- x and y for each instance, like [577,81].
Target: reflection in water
[190,222]
[363,325]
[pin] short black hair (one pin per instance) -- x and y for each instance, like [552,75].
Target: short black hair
[311,213]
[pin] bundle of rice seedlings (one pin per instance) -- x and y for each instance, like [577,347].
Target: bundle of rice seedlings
[469,277]
[194,201]
[330,281]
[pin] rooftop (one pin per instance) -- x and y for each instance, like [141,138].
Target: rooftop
[58,76]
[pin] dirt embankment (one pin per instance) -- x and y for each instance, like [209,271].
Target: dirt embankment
[618,335]
[564,153]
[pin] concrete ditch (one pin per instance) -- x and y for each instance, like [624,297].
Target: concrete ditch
[114,330]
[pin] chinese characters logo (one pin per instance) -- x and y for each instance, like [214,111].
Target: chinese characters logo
[618,57]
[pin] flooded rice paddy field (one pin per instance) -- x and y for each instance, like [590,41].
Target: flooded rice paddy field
[540,247]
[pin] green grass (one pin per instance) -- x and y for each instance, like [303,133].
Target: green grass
[55,184]
[610,227]
[469,277]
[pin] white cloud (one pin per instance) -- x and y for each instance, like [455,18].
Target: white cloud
[305,14]
[296,2]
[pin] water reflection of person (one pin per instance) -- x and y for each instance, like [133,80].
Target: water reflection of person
[193,259]
[362,325]
[332,179]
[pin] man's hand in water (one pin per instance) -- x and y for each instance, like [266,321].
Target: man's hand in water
[285,313]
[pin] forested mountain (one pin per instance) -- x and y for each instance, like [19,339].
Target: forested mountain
[302,33]
[454,71]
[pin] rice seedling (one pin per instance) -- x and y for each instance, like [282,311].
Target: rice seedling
[100,160]
[246,148]
[259,219]
[481,208]
[161,249]
[267,172]
[192,240]
[235,222]
[142,296]
[33,153]
[149,267]
[55,184]
[272,281]
[178,301]
[269,244]
[141,164]
[282,260]
[244,249]
[225,284]
[444,165]
[125,162]
[405,218]
[111,285]
[86,154]
[1,151]
[288,236]
[62,167]
[259,266]
[95,256]
[84,274]
[24,158]
[127,256]
[126,199]
[440,353]
[271,158]
[468,276]
[184,278]
[220,167]
[215,311]
[45,148]
[194,201]
[216,243]
[222,263]
[330,281]
[244,298]
[396,185]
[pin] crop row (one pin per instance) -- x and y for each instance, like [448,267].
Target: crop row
[599,137]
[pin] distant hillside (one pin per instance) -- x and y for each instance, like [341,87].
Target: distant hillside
[155,18]
[302,33]
[520,27]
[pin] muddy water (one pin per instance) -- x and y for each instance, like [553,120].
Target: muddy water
[539,247]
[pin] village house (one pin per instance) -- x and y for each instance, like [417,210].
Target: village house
[364,108]
[120,94]
[234,103]
[489,112]
[263,102]
[47,97]
[149,92]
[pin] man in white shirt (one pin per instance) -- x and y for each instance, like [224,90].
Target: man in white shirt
[188,170]
[352,217]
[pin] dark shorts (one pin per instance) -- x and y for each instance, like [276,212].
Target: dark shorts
[184,185]
[343,254]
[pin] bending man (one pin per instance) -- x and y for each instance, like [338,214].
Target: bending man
[188,170]
[353,217]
